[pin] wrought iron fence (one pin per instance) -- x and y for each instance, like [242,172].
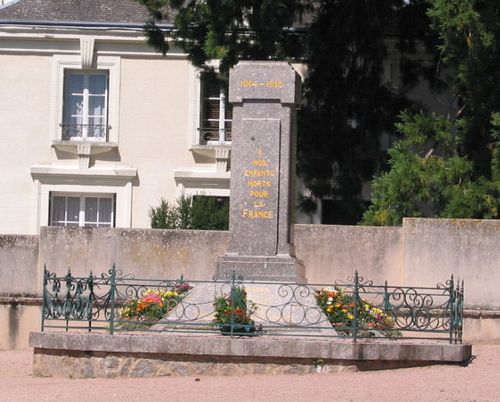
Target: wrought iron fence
[353,309]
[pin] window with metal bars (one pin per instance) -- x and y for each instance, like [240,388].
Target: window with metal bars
[216,112]
[85,108]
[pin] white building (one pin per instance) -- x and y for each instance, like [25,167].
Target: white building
[95,126]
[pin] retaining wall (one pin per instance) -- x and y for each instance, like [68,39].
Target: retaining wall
[421,252]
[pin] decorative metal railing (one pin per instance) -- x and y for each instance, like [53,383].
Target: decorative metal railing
[214,134]
[96,131]
[354,309]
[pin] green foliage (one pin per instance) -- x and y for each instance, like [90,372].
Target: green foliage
[469,33]
[339,307]
[200,212]
[428,177]
[349,104]
[450,168]
[153,305]
[209,214]
[234,307]
[227,30]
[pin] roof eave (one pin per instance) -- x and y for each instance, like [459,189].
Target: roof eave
[82,25]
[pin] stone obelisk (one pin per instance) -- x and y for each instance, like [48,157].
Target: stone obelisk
[265,97]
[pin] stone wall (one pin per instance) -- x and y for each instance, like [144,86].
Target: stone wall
[146,253]
[468,248]
[422,252]
[141,355]
[19,265]
[334,252]
[17,318]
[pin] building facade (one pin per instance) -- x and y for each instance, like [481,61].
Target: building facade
[95,126]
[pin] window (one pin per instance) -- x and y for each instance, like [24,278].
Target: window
[88,211]
[85,110]
[216,113]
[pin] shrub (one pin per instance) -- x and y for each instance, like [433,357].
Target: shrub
[200,212]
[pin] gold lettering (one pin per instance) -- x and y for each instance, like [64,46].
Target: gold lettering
[255,172]
[259,183]
[267,84]
[248,213]
[259,162]
[248,83]
[259,204]
[259,194]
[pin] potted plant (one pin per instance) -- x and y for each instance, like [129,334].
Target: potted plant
[233,313]
[339,307]
[152,306]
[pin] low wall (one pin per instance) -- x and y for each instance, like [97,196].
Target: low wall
[130,355]
[146,253]
[421,252]
[19,265]
[468,248]
[334,252]
[17,318]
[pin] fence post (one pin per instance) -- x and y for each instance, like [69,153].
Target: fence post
[356,307]
[112,300]
[90,305]
[68,302]
[233,294]
[44,294]
[451,290]
[461,313]
[387,304]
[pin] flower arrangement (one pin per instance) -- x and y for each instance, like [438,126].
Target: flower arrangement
[153,304]
[339,308]
[234,310]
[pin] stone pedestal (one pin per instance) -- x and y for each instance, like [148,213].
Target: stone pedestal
[284,268]
[265,96]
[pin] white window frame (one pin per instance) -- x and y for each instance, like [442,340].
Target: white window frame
[195,112]
[86,101]
[82,222]
[222,115]
[61,63]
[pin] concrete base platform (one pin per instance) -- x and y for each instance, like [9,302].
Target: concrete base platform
[79,355]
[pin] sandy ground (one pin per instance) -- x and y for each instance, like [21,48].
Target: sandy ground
[479,381]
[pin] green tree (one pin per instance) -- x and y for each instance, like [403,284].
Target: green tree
[227,30]
[348,105]
[449,167]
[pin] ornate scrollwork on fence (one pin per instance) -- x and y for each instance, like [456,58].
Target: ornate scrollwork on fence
[296,308]
[356,308]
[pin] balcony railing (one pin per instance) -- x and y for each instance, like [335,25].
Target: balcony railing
[214,135]
[98,132]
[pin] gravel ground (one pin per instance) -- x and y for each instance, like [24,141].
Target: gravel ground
[479,381]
